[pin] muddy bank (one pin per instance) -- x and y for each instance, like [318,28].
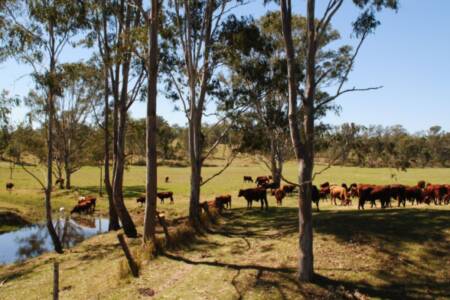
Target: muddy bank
[10,220]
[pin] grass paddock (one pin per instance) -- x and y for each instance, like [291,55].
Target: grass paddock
[251,254]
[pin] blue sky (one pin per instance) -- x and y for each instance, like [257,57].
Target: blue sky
[409,55]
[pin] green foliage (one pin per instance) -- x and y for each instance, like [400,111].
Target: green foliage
[377,146]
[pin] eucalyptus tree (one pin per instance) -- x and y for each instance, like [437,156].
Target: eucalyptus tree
[117,27]
[258,69]
[190,65]
[37,33]
[301,119]
[81,93]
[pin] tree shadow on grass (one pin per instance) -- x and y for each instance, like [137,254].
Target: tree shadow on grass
[419,273]
[131,191]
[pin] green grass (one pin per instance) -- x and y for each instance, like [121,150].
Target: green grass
[386,254]
[28,197]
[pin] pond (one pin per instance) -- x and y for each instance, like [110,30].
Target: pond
[34,240]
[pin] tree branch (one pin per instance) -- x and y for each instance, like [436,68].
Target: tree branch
[230,160]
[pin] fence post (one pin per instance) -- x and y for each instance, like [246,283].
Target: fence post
[55,280]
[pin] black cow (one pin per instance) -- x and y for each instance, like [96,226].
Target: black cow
[254,194]
[248,179]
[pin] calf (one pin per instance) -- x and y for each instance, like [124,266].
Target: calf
[254,194]
[279,195]
[224,200]
[164,195]
[9,186]
[166,180]
[248,179]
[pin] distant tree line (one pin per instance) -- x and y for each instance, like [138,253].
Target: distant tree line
[378,146]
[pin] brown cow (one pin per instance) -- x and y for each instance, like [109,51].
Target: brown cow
[414,193]
[260,180]
[254,194]
[279,195]
[338,192]
[88,199]
[372,193]
[223,200]
[83,207]
[398,193]
[435,192]
[421,184]
[324,190]
[167,179]
[288,188]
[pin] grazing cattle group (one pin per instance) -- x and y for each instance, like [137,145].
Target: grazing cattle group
[161,196]
[420,193]
[259,193]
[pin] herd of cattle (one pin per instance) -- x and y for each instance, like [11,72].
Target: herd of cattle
[420,193]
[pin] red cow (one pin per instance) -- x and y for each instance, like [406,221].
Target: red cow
[288,188]
[414,193]
[279,195]
[435,192]
[372,193]
[224,200]
[260,180]
[398,193]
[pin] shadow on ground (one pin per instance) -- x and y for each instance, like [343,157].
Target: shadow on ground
[413,247]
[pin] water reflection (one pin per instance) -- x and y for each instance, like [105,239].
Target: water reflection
[34,240]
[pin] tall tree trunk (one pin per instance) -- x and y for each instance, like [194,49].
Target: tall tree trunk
[122,212]
[113,217]
[196,166]
[275,162]
[67,171]
[48,191]
[151,181]
[303,150]
[100,185]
